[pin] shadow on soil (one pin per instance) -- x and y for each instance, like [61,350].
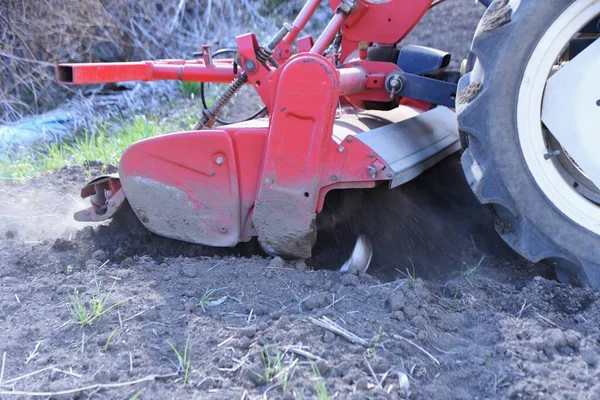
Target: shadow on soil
[431,227]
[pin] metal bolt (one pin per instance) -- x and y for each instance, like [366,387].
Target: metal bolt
[341,149]
[551,155]
[372,171]
[223,229]
[111,203]
[250,66]
[334,178]
[349,138]
[390,175]
[371,155]
[598,103]
[220,160]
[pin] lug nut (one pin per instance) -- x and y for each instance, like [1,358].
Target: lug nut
[341,149]
[219,160]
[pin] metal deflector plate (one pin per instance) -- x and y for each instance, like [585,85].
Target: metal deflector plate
[415,144]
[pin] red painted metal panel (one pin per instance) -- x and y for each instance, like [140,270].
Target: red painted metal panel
[382,22]
[185,186]
[90,73]
[301,158]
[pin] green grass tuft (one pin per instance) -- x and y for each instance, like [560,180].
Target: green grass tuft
[104,144]
[185,361]
[189,89]
[320,387]
[86,314]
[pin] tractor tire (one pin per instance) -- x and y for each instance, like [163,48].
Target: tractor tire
[497,75]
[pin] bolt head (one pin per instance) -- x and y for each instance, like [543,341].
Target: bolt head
[341,149]
[390,175]
[220,160]
[334,178]
[223,229]
[250,66]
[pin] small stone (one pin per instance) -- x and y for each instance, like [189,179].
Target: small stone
[244,343]
[190,306]
[190,293]
[62,245]
[398,315]
[397,301]
[573,339]
[99,255]
[103,339]
[379,364]
[206,384]
[150,314]
[249,332]
[362,384]
[92,264]
[329,337]
[101,377]
[118,252]
[379,393]
[257,309]
[350,280]
[126,263]
[408,334]
[301,265]
[167,277]
[323,367]
[410,311]
[352,375]
[189,271]
[277,262]
[269,274]
[276,315]
[226,384]
[356,349]
[590,357]
[316,301]
[554,339]
[10,234]
[283,322]
[419,322]
[254,375]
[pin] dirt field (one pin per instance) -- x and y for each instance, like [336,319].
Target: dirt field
[470,321]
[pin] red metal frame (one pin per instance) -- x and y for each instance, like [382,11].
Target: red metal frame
[242,181]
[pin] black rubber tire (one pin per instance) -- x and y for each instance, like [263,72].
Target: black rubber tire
[493,162]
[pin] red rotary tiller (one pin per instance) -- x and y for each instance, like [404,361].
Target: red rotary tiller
[349,110]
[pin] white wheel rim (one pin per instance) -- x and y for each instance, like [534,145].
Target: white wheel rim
[546,174]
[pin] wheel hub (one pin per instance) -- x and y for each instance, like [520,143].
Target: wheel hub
[571,110]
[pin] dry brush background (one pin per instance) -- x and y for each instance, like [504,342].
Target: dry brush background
[37,34]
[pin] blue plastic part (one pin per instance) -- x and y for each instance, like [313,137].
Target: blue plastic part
[433,91]
[421,60]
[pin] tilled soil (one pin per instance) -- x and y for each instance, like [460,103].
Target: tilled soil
[258,327]
[446,310]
